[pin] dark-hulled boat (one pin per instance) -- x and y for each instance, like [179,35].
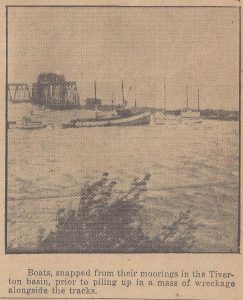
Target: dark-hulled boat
[122,116]
[132,119]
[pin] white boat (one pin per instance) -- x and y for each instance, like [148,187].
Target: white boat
[165,119]
[162,118]
[31,122]
[131,120]
[190,116]
[122,116]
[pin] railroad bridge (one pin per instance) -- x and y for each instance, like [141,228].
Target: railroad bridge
[18,92]
[53,91]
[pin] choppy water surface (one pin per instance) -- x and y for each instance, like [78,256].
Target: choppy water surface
[192,166]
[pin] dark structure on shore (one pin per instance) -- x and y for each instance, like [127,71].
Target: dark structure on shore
[18,92]
[53,91]
[93,103]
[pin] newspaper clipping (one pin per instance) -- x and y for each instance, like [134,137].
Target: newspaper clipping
[121,140]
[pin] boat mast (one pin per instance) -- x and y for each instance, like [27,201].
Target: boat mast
[112,100]
[123,99]
[198,99]
[96,106]
[187,97]
[95,88]
[164,97]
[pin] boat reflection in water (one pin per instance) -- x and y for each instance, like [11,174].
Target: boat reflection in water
[163,118]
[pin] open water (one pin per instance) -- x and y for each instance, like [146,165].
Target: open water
[192,167]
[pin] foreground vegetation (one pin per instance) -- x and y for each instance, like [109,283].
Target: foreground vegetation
[105,222]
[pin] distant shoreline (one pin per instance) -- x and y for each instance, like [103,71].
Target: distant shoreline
[220,115]
[208,114]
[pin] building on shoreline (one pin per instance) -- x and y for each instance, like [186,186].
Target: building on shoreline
[93,103]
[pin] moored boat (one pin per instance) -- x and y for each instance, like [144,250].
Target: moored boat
[31,122]
[131,120]
[122,116]
[163,118]
[190,116]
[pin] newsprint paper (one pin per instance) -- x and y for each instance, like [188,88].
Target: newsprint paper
[120,150]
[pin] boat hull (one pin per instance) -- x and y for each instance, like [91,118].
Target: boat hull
[162,119]
[31,127]
[191,121]
[134,120]
[191,117]
[190,114]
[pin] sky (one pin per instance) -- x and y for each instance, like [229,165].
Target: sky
[194,47]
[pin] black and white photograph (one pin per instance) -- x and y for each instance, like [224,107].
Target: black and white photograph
[122,129]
